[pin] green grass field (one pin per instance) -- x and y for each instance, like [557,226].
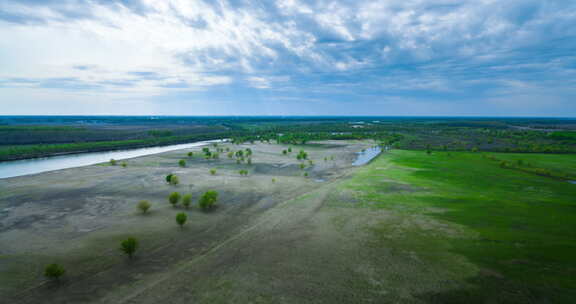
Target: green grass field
[518,228]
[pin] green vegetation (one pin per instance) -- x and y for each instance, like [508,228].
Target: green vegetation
[520,228]
[174,198]
[181,219]
[182,163]
[212,171]
[129,246]
[187,200]
[208,200]
[144,206]
[54,271]
[243,172]
[169,177]
[112,162]
[174,180]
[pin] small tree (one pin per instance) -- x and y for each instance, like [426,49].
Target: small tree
[273,180]
[305,174]
[169,177]
[112,162]
[208,200]
[190,154]
[124,165]
[302,166]
[187,200]
[144,206]
[129,246]
[54,271]
[181,219]
[182,163]
[174,198]
[174,180]
[213,171]
[284,152]
[289,149]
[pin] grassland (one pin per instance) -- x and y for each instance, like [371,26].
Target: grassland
[519,229]
[450,227]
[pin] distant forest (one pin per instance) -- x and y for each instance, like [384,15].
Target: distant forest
[37,136]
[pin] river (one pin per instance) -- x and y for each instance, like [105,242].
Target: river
[366,156]
[51,163]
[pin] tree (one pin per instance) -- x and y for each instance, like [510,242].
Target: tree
[213,171]
[289,149]
[174,198]
[273,180]
[302,166]
[230,154]
[181,219]
[284,152]
[144,206]
[169,178]
[208,200]
[174,180]
[305,174]
[54,271]
[112,162]
[124,165]
[187,200]
[182,163]
[129,246]
[190,154]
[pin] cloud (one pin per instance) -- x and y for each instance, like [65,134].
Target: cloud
[253,52]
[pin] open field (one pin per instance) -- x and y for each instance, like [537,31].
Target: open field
[450,227]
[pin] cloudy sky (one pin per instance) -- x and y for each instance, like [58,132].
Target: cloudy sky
[288,57]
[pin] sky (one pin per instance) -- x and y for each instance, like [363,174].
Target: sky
[288,57]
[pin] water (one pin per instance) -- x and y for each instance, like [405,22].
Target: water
[366,156]
[572,182]
[51,163]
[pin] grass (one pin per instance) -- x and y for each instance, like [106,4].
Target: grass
[520,228]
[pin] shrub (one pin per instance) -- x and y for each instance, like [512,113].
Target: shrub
[273,180]
[124,165]
[54,271]
[302,166]
[169,177]
[190,154]
[174,198]
[187,200]
[174,180]
[213,171]
[208,200]
[129,246]
[113,162]
[181,219]
[144,206]
[182,163]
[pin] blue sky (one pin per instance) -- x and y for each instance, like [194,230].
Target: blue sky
[288,57]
